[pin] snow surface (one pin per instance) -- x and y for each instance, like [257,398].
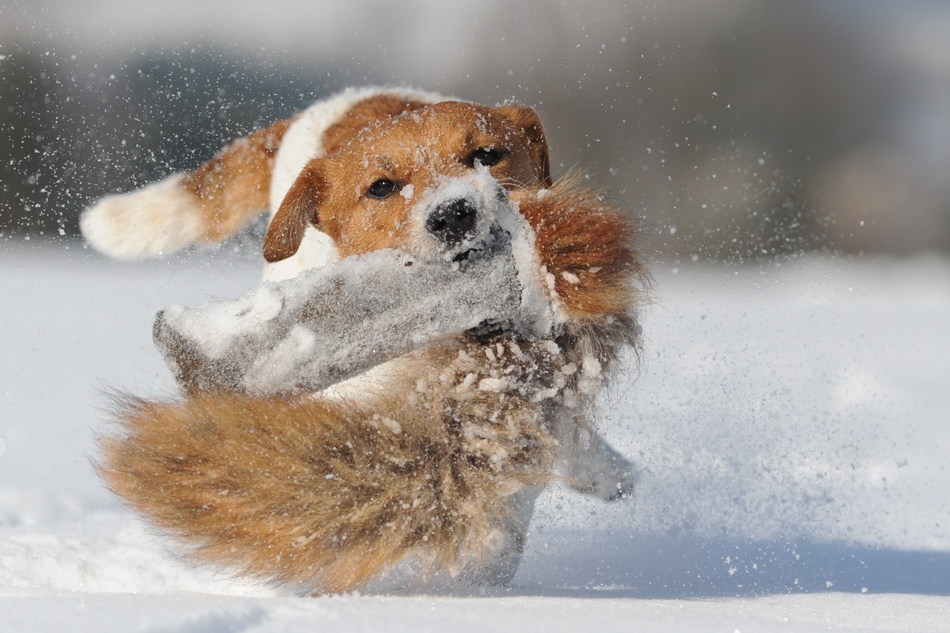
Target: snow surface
[790,426]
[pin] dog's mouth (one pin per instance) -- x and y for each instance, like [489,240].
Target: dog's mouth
[496,239]
[464,256]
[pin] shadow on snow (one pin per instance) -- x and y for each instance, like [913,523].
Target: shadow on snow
[648,566]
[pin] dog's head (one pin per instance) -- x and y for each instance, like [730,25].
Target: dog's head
[428,181]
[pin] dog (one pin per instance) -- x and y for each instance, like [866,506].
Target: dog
[432,459]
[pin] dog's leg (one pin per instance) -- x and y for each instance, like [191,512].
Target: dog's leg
[593,467]
[206,205]
[500,562]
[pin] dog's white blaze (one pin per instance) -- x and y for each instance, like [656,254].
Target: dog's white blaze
[303,141]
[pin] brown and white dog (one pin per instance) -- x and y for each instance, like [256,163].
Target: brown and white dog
[436,456]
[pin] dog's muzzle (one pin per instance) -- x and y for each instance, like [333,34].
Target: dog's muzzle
[456,215]
[453,221]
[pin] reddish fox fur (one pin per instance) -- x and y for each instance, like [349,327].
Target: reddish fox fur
[327,492]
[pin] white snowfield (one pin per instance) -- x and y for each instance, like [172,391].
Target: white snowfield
[791,424]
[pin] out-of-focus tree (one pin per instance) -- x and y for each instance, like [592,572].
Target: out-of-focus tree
[721,132]
[737,129]
[30,142]
[74,130]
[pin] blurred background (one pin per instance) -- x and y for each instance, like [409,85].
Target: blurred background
[736,129]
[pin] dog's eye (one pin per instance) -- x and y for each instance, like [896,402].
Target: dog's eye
[485,156]
[382,189]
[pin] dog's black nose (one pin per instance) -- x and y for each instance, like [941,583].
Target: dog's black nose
[452,221]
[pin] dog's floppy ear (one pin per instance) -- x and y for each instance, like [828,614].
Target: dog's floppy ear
[528,121]
[299,208]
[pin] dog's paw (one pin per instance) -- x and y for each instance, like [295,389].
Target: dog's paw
[622,488]
[602,472]
[157,219]
[613,484]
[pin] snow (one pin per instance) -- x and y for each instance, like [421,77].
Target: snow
[789,424]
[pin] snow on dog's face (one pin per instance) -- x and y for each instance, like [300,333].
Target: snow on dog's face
[429,182]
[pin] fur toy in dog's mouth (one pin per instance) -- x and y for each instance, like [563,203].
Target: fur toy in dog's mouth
[358,313]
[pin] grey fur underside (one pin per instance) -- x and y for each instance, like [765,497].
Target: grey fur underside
[335,322]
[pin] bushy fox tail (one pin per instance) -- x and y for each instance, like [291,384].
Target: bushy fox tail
[206,205]
[319,495]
